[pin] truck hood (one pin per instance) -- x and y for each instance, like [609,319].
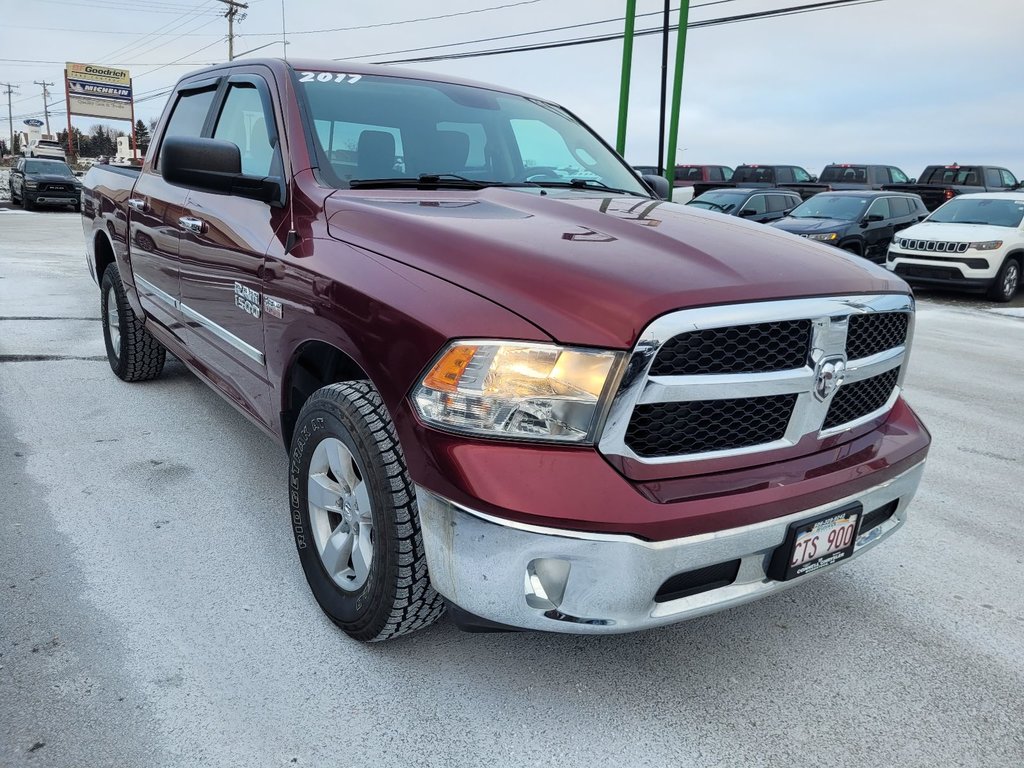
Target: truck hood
[809,226]
[593,269]
[956,233]
[53,178]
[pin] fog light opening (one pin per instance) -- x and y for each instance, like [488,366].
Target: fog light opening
[545,582]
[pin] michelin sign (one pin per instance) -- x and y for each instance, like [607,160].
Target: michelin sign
[97,91]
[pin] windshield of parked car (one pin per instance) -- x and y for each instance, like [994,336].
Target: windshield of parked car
[993,212]
[849,174]
[52,168]
[842,207]
[723,202]
[373,127]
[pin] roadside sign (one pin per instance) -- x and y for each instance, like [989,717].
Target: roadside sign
[95,90]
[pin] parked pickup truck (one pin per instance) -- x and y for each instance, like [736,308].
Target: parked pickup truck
[939,183]
[510,380]
[758,176]
[848,176]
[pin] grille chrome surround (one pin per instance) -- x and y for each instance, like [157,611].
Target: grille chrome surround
[830,322]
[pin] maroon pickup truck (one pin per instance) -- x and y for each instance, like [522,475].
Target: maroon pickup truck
[511,380]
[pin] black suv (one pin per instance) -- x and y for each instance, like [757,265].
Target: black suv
[762,205]
[35,181]
[860,222]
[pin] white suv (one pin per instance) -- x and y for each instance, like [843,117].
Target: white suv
[972,241]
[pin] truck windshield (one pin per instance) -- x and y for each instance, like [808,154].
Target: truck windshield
[372,127]
[993,212]
[754,173]
[964,175]
[842,207]
[41,166]
[849,174]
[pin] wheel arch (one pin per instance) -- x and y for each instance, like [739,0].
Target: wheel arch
[313,364]
[103,253]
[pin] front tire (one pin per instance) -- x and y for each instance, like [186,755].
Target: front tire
[1005,286]
[353,511]
[133,353]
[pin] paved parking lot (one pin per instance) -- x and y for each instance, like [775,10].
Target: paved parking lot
[153,613]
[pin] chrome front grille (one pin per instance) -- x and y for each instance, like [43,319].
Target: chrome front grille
[737,349]
[936,246]
[726,381]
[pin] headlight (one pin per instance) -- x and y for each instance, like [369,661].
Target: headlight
[826,237]
[988,245]
[516,389]
[31,184]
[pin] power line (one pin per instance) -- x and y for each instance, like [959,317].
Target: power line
[779,12]
[396,23]
[150,37]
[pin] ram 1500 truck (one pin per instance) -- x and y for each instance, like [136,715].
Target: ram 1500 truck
[840,177]
[761,176]
[510,380]
[939,183]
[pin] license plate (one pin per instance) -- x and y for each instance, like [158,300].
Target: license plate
[814,544]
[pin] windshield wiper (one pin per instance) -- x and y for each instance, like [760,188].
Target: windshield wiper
[713,205]
[585,184]
[423,180]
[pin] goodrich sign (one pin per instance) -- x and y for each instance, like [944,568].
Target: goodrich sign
[98,91]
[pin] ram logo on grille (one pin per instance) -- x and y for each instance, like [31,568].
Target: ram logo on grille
[828,376]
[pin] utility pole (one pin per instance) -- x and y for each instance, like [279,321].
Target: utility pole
[10,89]
[46,102]
[231,12]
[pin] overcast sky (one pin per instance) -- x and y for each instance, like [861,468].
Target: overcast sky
[908,82]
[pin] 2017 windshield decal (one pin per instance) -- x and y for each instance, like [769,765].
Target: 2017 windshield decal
[329,77]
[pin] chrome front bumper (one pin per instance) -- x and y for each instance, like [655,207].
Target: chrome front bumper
[589,583]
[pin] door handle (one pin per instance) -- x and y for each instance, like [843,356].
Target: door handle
[192,224]
[138,204]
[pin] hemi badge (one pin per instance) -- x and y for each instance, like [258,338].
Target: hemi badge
[272,306]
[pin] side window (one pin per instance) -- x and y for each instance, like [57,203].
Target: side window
[717,174]
[778,203]
[189,115]
[898,176]
[1008,180]
[799,174]
[784,174]
[243,122]
[880,208]
[883,175]
[899,207]
[756,204]
[992,178]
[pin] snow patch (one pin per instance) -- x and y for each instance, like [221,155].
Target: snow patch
[5,185]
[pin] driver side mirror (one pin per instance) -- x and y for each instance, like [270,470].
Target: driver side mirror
[873,217]
[658,185]
[213,165]
[748,212]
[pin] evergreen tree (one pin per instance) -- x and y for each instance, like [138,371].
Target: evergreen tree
[142,136]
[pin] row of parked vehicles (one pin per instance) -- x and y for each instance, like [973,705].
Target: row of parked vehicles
[957,226]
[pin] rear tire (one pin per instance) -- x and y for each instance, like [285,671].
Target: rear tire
[1005,286]
[133,353]
[353,511]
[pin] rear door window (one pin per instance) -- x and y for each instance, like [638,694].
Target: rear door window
[992,178]
[777,203]
[899,207]
[785,175]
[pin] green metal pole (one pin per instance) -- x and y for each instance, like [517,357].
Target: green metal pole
[677,88]
[627,63]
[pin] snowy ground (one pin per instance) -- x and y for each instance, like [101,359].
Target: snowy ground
[5,184]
